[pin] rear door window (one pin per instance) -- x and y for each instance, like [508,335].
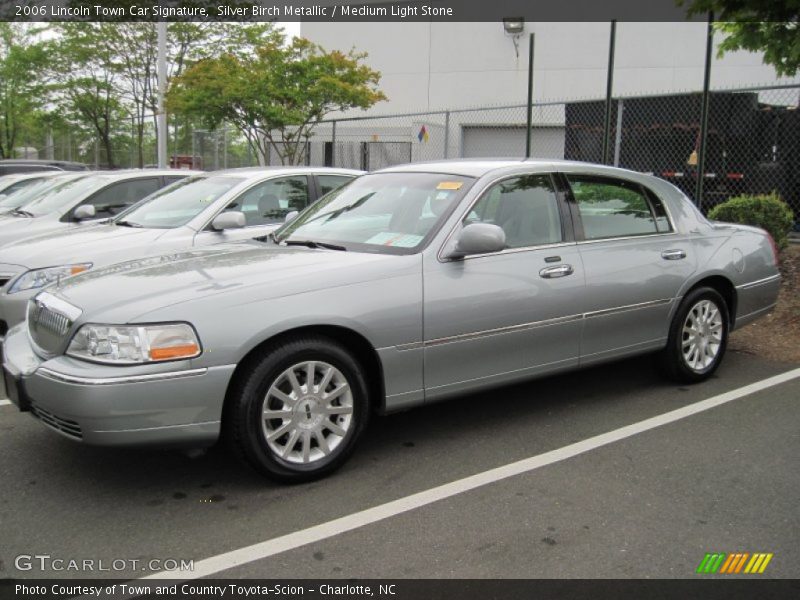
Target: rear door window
[612,208]
[113,199]
[328,183]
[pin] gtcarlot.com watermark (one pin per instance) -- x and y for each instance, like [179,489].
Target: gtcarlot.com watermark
[47,562]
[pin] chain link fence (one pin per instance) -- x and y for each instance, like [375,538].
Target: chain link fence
[753,143]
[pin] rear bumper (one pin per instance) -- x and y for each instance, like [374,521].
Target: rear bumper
[107,406]
[756,299]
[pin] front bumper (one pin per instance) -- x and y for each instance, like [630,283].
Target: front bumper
[147,405]
[12,306]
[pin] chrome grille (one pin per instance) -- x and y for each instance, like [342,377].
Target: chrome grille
[70,428]
[49,322]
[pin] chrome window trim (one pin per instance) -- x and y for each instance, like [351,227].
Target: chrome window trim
[478,198]
[627,237]
[63,377]
[758,282]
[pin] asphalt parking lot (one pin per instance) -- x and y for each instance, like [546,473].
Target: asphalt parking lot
[646,506]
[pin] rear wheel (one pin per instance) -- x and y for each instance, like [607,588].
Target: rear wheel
[698,337]
[296,414]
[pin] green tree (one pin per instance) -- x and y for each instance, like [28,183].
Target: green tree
[85,87]
[105,73]
[758,26]
[276,95]
[22,59]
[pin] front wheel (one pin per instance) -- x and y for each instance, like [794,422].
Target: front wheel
[698,337]
[296,414]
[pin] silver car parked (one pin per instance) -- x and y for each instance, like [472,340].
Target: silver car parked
[205,209]
[406,286]
[86,197]
[43,181]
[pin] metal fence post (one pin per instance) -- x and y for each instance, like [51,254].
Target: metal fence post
[224,149]
[333,144]
[701,155]
[446,133]
[609,87]
[618,133]
[529,123]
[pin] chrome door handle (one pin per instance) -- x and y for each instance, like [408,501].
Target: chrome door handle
[673,254]
[554,272]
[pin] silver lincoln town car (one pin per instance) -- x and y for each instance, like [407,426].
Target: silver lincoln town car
[405,286]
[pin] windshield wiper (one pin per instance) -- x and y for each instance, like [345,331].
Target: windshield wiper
[313,244]
[128,224]
[22,213]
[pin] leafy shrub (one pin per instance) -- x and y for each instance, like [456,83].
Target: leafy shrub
[767,211]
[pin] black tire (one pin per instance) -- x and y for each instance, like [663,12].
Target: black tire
[246,431]
[672,360]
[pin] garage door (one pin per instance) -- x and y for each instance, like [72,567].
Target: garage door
[482,141]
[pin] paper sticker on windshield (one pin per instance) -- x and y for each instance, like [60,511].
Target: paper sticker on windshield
[399,240]
[449,185]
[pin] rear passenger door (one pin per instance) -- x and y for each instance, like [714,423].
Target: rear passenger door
[635,264]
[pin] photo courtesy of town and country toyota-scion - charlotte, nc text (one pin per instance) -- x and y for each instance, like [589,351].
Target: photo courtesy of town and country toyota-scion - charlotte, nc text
[190,590]
[276,11]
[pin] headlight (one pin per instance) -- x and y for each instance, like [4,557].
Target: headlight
[134,344]
[41,277]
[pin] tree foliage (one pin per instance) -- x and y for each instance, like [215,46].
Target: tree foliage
[105,73]
[276,95]
[770,27]
[21,57]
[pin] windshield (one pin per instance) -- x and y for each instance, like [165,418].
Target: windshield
[392,213]
[8,188]
[178,203]
[64,194]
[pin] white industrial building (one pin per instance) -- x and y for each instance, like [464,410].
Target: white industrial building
[436,66]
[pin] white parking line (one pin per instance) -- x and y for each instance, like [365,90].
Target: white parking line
[4,402]
[242,556]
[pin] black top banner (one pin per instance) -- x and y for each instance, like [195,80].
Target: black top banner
[342,10]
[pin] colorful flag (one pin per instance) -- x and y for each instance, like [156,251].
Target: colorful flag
[423,136]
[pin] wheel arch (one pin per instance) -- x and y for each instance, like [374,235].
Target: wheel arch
[363,351]
[724,286]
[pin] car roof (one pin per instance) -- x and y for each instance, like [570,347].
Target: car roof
[256,172]
[126,173]
[39,162]
[35,175]
[481,166]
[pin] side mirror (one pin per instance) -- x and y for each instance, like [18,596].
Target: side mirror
[229,220]
[83,212]
[477,238]
[291,216]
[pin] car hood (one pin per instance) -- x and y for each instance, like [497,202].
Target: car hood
[243,271]
[97,244]
[16,228]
